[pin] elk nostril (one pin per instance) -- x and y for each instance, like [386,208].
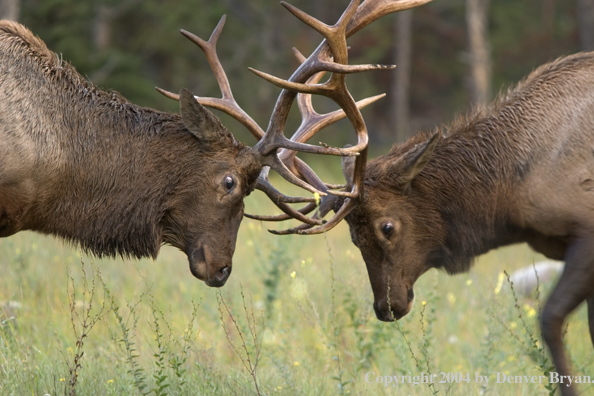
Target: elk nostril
[223,273]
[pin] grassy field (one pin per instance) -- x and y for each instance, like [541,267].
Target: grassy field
[295,318]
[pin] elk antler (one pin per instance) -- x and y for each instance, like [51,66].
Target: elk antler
[303,81]
[330,56]
[353,19]
[267,153]
[227,103]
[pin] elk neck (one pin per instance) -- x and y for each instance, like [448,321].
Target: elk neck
[117,169]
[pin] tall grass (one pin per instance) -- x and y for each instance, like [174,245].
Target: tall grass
[303,306]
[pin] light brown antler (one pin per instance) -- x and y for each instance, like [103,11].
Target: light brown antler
[312,122]
[304,81]
[353,19]
[330,56]
[365,14]
[307,178]
[227,103]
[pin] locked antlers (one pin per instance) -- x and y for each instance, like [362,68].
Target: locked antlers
[331,56]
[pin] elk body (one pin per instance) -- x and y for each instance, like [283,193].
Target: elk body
[90,167]
[520,170]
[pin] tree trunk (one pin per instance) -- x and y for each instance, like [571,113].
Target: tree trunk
[585,11]
[10,9]
[401,85]
[480,62]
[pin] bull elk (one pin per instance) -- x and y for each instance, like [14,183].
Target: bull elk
[92,168]
[518,170]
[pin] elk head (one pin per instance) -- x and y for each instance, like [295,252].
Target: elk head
[394,230]
[205,217]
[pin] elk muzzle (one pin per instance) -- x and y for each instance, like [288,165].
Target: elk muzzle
[214,271]
[395,305]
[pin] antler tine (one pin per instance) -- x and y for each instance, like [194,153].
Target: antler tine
[274,135]
[263,184]
[326,206]
[295,165]
[312,122]
[333,89]
[227,103]
[307,229]
[279,199]
[372,10]
[367,13]
[282,217]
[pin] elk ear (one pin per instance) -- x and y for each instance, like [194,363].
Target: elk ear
[201,122]
[409,165]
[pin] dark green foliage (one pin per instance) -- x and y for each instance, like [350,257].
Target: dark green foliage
[125,339]
[276,263]
[145,50]
[160,354]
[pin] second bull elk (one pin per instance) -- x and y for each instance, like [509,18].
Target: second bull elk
[118,179]
[520,170]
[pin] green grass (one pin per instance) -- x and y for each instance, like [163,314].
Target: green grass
[295,318]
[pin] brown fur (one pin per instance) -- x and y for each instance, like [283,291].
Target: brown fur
[89,166]
[520,170]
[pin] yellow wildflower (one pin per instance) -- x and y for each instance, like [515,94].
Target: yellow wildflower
[500,279]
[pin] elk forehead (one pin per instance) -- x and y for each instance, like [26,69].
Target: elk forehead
[250,168]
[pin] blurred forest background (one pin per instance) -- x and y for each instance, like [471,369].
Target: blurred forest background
[451,54]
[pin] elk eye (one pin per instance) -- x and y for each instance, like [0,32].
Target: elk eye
[229,182]
[388,229]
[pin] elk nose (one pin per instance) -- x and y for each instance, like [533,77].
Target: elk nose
[383,314]
[223,274]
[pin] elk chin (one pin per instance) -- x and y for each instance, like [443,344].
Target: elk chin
[202,267]
[391,310]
